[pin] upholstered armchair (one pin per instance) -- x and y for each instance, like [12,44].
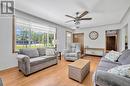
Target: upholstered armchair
[73,52]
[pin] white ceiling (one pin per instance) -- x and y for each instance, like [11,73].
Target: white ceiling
[102,11]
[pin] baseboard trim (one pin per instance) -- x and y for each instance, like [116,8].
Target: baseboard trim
[12,68]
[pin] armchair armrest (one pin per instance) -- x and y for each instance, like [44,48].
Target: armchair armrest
[103,78]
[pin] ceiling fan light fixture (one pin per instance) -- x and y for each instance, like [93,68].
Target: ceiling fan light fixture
[77,22]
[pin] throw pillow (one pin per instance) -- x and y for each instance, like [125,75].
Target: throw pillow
[42,51]
[123,70]
[50,52]
[113,56]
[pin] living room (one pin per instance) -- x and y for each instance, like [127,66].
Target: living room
[86,35]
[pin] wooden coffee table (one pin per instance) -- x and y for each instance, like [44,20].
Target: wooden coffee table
[79,69]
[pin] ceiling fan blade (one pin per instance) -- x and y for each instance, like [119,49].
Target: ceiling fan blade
[70,16]
[85,19]
[83,14]
[69,21]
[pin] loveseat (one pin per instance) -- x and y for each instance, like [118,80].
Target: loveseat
[102,78]
[32,60]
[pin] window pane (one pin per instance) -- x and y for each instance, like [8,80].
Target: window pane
[33,35]
[51,39]
[22,36]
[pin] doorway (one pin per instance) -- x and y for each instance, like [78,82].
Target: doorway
[111,40]
[79,38]
[111,43]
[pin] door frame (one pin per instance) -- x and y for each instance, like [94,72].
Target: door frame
[116,41]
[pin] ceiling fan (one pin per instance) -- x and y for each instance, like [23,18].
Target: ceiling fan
[78,17]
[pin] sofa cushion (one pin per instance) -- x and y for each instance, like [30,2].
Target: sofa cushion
[42,59]
[113,56]
[30,52]
[124,57]
[105,65]
[123,70]
[41,51]
[50,52]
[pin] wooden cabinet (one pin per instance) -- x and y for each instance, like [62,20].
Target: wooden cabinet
[94,51]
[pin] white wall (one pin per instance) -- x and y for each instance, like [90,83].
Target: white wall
[129,33]
[100,41]
[121,40]
[7,59]
[61,36]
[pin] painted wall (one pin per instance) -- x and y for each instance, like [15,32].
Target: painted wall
[129,33]
[100,42]
[7,59]
[121,36]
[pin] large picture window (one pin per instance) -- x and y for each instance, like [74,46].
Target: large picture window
[33,35]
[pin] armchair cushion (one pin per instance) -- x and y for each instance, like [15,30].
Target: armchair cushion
[30,52]
[71,54]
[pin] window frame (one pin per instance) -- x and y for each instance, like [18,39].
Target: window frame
[14,50]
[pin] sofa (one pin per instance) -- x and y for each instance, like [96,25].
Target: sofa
[102,78]
[73,52]
[32,60]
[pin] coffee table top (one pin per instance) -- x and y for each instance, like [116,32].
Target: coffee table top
[80,63]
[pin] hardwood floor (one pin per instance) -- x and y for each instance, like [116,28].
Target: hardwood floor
[53,76]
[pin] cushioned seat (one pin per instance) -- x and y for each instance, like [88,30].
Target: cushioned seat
[106,64]
[71,54]
[42,59]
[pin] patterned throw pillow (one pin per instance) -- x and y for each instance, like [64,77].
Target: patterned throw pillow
[50,52]
[123,70]
[113,56]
